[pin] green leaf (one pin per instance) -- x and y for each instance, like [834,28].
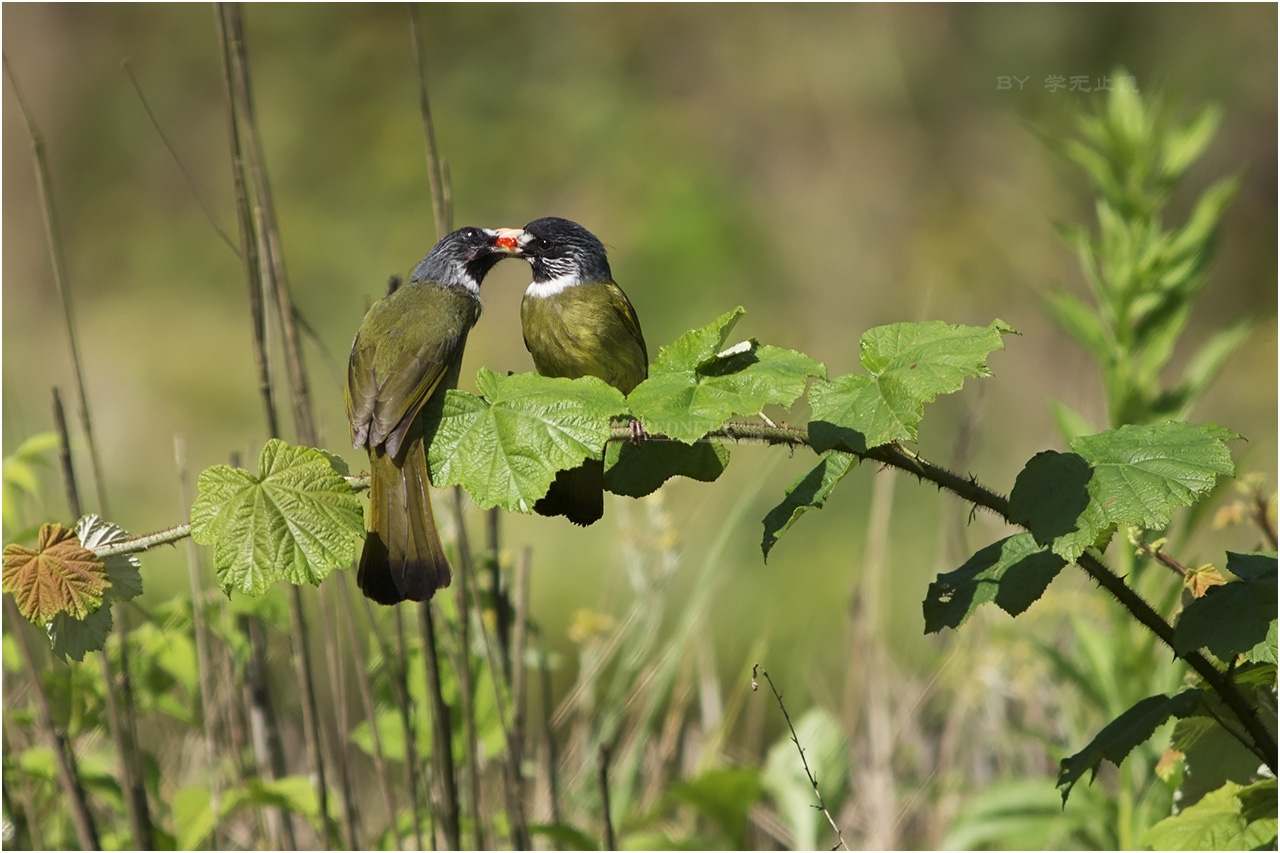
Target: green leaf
[1234,618]
[724,794]
[1118,738]
[1258,801]
[696,384]
[1027,814]
[1264,652]
[1141,474]
[1218,822]
[565,836]
[1213,755]
[1211,357]
[20,478]
[1050,493]
[810,491]
[639,470]
[72,637]
[296,520]
[697,346]
[295,794]
[505,446]
[1013,573]
[193,817]
[1069,422]
[1080,321]
[1184,144]
[908,365]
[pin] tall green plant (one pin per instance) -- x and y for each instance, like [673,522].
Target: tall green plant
[1143,277]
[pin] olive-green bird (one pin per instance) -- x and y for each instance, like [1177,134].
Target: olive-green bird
[577,322]
[408,351]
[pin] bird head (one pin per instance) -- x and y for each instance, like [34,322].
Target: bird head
[561,251]
[464,257]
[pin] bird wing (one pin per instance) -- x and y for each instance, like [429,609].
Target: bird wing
[393,372]
[623,306]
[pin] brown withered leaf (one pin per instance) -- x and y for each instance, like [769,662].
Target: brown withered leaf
[1200,578]
[59,576]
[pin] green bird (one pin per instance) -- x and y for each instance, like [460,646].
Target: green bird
[577,322]
[407,352]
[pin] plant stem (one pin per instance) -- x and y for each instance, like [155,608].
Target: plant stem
[56,258]
[135,791]
[466,686]
[360,665]
[511,770]
[204,671]
[244,217]
[338,695]
[439,199]
[400,686]
[794,739]
[610,843]
[441,730]
[265,731]
[173,152]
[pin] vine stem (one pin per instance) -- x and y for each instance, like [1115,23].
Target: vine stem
[968,489]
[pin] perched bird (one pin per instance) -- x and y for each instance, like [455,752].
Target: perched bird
[577,322]
[407,352]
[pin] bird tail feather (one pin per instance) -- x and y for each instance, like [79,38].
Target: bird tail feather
[403,557]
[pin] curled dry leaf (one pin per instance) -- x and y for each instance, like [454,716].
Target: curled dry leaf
[59,576]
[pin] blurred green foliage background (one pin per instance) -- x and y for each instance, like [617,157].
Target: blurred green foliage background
[829,167]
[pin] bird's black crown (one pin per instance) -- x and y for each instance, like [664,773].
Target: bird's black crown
[462,257]
[559,247]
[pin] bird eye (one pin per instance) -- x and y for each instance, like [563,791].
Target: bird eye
[471,234]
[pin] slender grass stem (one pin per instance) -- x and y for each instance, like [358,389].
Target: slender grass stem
[757,668]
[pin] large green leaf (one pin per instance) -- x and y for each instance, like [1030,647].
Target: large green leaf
[638,470]
[696,384]
[908,365]
[1138,476]
[506,445]
[1213,755]
[1230,818]
[1235,618]
[296,520]
[808,492]
[1118,738]
[1013,573]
